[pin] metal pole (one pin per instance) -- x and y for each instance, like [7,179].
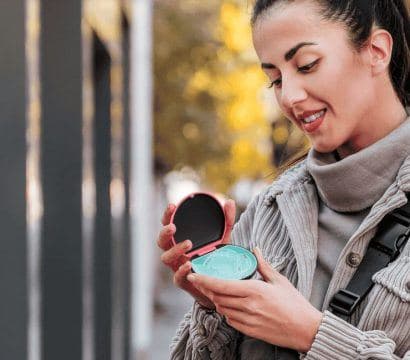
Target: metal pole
[34,212]
[142,235]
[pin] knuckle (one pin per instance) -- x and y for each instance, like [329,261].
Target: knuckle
[252,308]
[210,296]
[168,231]
[164,219]
[161,237]
[259,286]
[182,249]
[215,299]
[167,214]
[162,241]
[165,258]
[218,308]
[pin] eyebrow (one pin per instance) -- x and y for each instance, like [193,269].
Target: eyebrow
[289,55]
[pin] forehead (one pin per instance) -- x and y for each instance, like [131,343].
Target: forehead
[287,24]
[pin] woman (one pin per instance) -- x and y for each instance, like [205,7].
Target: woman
[340,72]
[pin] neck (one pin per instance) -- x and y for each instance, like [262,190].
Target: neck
[384,118]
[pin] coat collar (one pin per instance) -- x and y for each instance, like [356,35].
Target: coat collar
[291,178]
[298,174]
[297,199]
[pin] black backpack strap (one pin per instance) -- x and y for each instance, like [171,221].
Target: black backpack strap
[385,247]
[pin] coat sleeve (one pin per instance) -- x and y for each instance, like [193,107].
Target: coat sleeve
[204,334]
[337,339]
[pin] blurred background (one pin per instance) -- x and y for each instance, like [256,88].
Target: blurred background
[110,110]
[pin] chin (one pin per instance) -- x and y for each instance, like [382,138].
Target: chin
[324,148]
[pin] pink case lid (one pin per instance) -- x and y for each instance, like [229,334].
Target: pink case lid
[199,217]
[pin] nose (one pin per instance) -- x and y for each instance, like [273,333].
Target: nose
[292,93]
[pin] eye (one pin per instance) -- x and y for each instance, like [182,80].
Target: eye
[308,67]
[303,69]
[275,83]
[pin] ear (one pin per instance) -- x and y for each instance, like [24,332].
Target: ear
[380,47]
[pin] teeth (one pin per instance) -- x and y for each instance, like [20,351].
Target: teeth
[313,117]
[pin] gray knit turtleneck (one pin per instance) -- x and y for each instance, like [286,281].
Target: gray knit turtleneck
[347,189]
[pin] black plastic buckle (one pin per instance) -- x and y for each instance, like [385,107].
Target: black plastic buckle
[344,302]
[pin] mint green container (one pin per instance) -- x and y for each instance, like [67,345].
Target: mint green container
[227,262]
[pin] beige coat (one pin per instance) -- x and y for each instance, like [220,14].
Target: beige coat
[283,222]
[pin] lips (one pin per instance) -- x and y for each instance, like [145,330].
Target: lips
[305,114]
[314,122]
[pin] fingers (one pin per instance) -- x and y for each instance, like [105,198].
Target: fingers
[224,302]
[165,236]
[219,301]
[219,286]
[264,268]
[166,218]
[238,325]
[230,210]
[181,274]
[234,315]
[171,256]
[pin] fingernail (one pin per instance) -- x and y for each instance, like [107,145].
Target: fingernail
[191,278]
[187,244]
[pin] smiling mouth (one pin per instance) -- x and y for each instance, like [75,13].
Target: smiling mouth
[310,119]
[312,122]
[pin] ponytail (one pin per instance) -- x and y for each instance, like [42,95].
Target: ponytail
[396,22]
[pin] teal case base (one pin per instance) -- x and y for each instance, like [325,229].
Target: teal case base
[228,262]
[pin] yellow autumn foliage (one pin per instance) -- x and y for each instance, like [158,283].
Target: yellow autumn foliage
[246,158]
[201,81]
[280,135]
[236,87]
[243,109]
[234,27]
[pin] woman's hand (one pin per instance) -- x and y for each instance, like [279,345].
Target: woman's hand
[272,311]
[174,256]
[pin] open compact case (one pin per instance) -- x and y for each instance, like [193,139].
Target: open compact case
[200,218]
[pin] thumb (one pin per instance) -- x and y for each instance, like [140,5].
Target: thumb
[264,267]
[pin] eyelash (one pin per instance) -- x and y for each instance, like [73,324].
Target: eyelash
[303,69]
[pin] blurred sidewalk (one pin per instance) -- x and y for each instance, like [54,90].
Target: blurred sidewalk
[171,306]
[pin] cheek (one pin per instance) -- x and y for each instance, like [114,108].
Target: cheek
[341,85]
[331,82]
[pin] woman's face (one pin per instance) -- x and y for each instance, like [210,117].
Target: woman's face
[320,82]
